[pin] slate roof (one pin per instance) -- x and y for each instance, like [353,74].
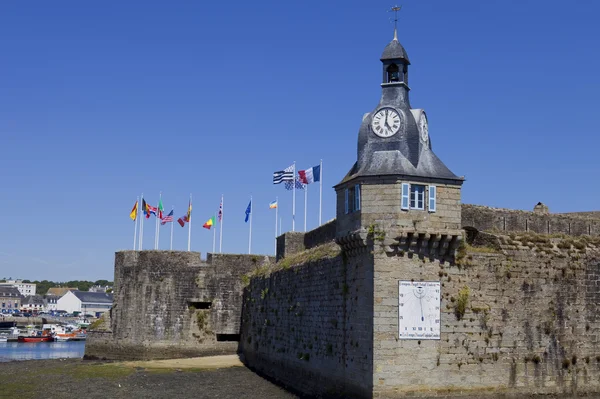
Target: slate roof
[9,291]
[60,291]
[33,300]
[394,51]
[93,297]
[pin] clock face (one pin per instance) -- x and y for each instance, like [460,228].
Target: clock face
[423,128]
[386,122]
[419,310]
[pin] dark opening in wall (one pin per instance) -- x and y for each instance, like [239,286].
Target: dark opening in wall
[471,234]
[228,337]
[200,305]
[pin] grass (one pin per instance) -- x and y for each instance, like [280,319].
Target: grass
[461,302]
[326,251]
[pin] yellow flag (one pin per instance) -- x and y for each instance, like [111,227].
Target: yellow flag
[133,214]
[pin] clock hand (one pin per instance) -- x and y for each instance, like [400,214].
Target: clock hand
[386,120]
[421,302]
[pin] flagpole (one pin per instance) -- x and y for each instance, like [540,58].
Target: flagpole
[250,235]
[141,244]
[294,199]
[276,218]
[214,236]
[221,228]
[320,190]
[189,225]
[157,223]
[305,203]
[137,211]
[172,223]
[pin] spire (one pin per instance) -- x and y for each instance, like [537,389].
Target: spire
[395,9]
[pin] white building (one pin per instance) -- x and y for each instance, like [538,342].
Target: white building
[33,304]
[85,302]
[51,303]
[25,289]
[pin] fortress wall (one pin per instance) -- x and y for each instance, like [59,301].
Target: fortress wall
[484,218]
[530,324]
[172,304]
[311,327]
[293,242]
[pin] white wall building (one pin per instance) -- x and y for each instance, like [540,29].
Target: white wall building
[85,302]
[25,289]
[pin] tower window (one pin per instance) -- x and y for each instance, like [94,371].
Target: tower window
[393,74]
[352,199]
[417,196]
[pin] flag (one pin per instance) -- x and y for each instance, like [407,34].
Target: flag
[248,211]
[189,212]
[310,175]
[183,220]
[209,223]
[133,214]
[221,210]
[289,185]
[284,175]
[150,210]
[273,205]
[160,209]
[167,219]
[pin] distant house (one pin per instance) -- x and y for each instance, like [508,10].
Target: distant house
[10,299]
[100,288]
[85,302]
[33,303]
[51,301]
[60,291]
[25,289]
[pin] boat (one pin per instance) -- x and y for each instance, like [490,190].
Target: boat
[65,333]
[3,338]
[36,336]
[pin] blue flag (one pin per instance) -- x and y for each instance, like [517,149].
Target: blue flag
[248,211]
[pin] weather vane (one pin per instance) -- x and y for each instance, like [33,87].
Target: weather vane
[395,9]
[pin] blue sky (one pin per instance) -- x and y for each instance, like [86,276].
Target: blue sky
[101,102]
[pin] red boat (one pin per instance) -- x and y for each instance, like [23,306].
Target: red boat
[36,337]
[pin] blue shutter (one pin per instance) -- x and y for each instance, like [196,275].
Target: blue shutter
[405,196]
[357,197]
[346,201]
[432,201]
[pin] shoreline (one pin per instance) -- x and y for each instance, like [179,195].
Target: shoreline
[217,376]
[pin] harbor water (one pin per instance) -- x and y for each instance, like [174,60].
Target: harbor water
[10,351]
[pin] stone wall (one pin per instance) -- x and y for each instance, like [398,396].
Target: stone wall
[507,220]
[172,304]
[310,327]
[293,242]
[520,318]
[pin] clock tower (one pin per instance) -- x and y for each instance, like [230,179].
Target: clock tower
[398,186]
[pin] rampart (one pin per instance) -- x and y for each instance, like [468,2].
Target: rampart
[484,218]
[173,304]
[306,326]
[519,315]
[292,242]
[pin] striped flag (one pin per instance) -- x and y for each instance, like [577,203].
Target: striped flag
[167,219]
[284,175]
[273,205]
